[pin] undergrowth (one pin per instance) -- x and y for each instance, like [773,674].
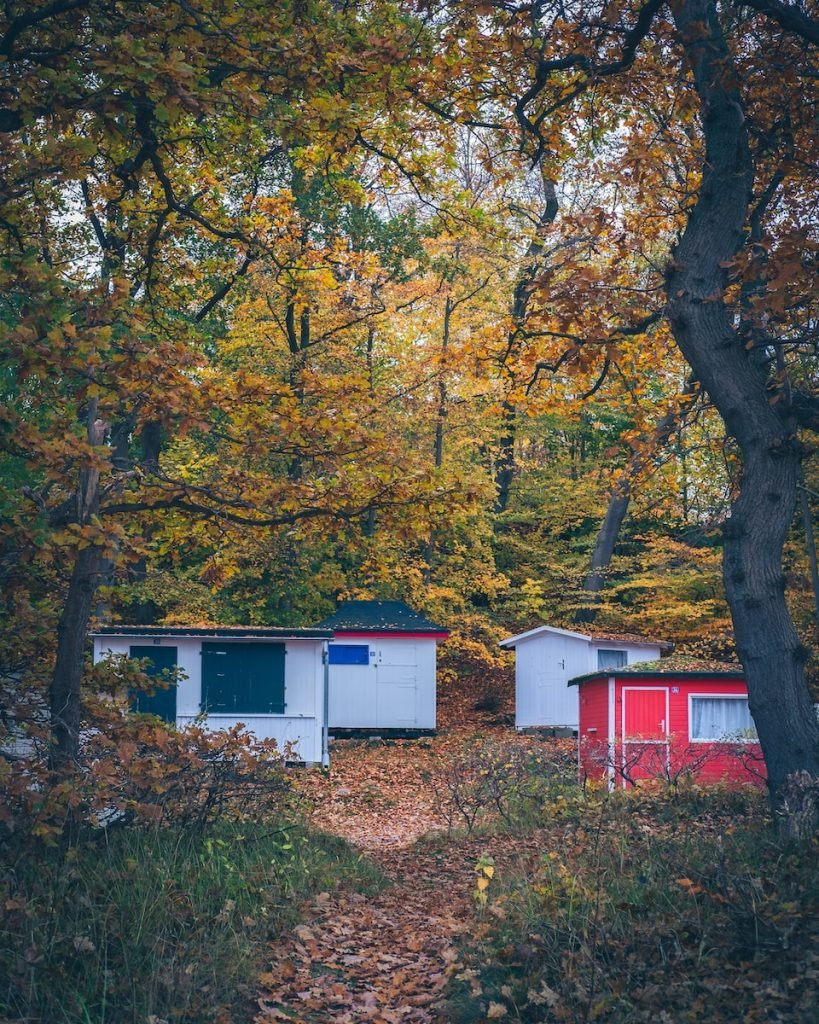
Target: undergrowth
[646,907]
[143,883]
[160,923]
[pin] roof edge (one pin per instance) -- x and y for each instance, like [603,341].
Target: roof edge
[678,674]
[226,632]
[512,640]
[590,638]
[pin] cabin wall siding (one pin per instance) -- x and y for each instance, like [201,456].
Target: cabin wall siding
[300,727]
[733,761]
[395,690]
[544,664]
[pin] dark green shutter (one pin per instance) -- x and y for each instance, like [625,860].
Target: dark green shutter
[242,678]
[163,700]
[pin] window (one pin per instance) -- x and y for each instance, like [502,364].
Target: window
[611,659]
[349,654]
[721,718]
[240,679]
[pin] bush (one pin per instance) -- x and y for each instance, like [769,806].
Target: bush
[645,910]
[143,883]
[507,781]
[136,769]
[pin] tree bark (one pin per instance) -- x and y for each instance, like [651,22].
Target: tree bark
[505,465]
[703,326]
[810,543]
[443,397]
[620,500]
[604,548]
[72,632]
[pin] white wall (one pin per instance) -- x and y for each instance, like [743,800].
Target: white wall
[301,725]
[543,666]
[545,662]
[396,690]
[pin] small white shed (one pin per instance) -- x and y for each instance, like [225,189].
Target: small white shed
[382,668]
[546,658]
[272,680]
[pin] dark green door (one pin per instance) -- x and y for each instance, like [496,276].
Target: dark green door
[243,679]
[163,700]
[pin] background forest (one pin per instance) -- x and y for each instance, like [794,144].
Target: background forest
[332,346]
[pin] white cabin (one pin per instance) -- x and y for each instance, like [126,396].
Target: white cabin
[272,680]
[382,669]
[546,658]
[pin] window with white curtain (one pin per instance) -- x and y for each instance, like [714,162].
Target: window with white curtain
[721,718]
[611,658]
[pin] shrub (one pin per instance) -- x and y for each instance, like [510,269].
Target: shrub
[644,909]
[136,769]
[507,781]
[143,883]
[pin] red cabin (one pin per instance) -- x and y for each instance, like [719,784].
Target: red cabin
[667,720]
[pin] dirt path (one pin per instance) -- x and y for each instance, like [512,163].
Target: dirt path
[387,959]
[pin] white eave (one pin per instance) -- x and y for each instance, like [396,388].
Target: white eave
[513,641]
[601,638]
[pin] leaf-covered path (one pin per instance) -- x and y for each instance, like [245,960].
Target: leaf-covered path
[382,959]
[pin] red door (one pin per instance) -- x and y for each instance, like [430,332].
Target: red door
[645,733]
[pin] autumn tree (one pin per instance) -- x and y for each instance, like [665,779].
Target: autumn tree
[727,168]
[140,185]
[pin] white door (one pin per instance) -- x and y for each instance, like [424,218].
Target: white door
[396,685]
[555,667]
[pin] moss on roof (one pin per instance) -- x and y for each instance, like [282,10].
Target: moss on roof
[677,664]
[379,617]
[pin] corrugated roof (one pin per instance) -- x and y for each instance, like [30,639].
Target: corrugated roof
[274,632]
[379,617]
[676,665]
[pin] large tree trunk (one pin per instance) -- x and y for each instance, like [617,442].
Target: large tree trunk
[703,326]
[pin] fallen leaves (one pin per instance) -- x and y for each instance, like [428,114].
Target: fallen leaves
[382,960]
[386,959]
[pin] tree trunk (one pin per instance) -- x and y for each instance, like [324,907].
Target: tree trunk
[621,499]
[505,465]
[72,634]
[703,325]
[443,397]
[810,542]
[604,548]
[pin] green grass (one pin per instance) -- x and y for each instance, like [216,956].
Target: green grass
[167,923]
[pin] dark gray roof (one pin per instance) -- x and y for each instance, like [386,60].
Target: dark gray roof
[225,632]
[379,617]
